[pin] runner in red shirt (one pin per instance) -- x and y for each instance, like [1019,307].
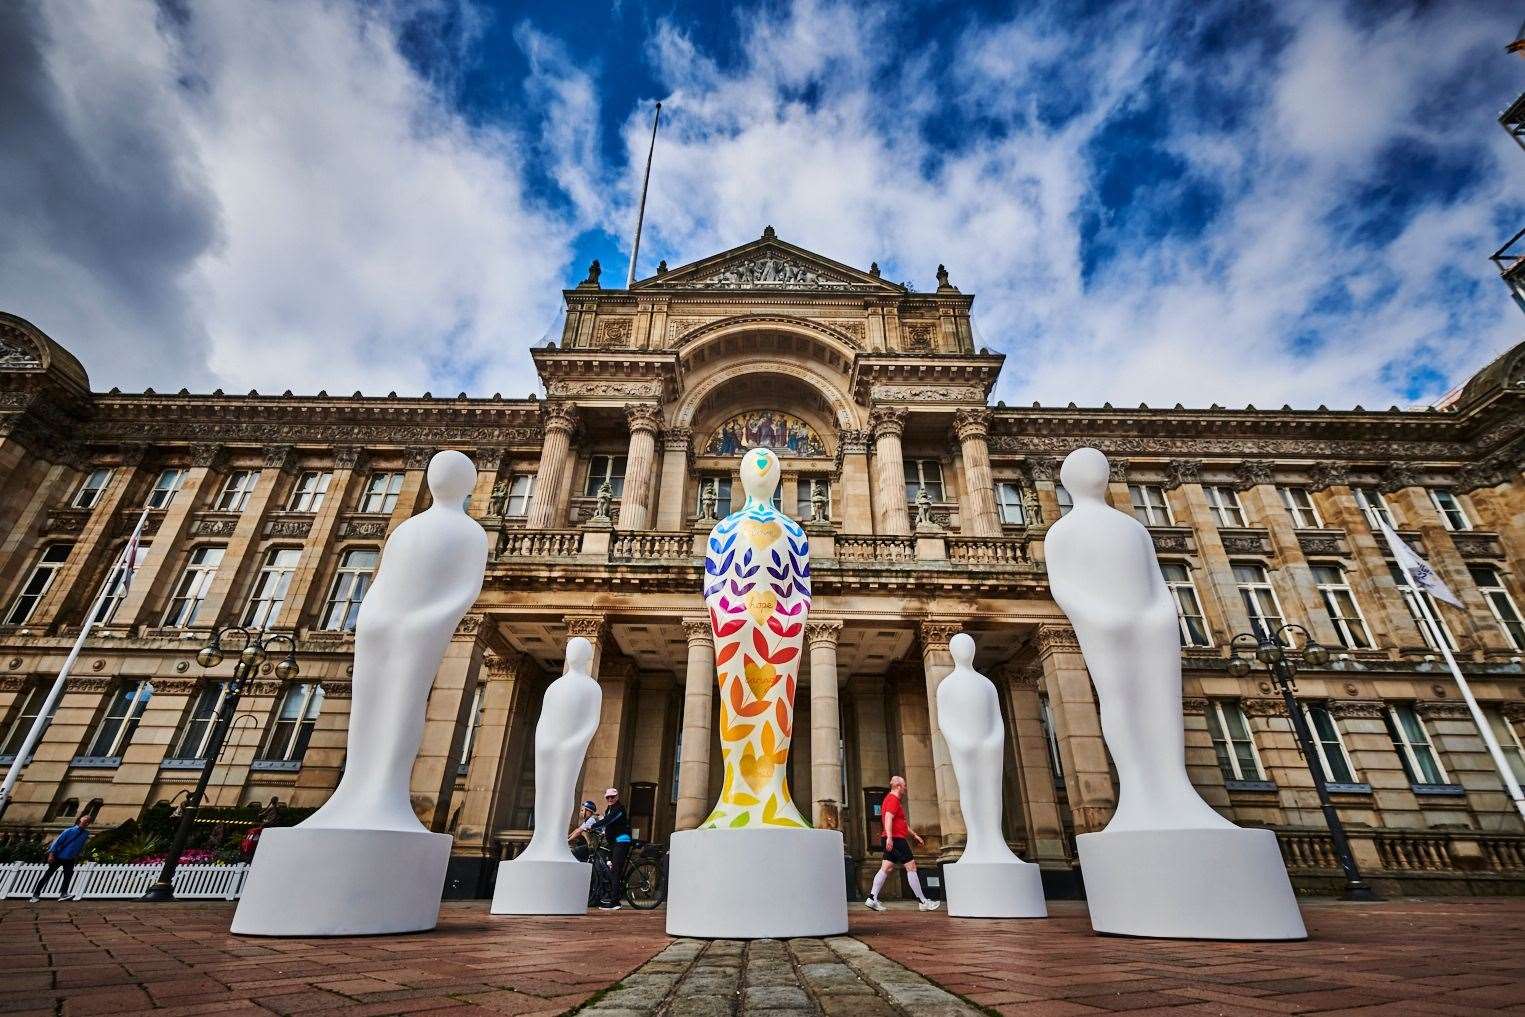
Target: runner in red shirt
[897,849]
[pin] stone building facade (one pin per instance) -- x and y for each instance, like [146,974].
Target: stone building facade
[926,506]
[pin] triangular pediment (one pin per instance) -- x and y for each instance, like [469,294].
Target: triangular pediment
[767,264]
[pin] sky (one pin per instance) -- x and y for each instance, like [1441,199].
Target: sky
[1198,202]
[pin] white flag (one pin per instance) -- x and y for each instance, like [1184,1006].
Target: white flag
[1418,569]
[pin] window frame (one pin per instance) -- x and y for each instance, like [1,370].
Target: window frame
[1062,496]
[473,725]
[47,571]
[1508,738]
[1188,586]
[236,490]
[1226,748]
[1224,504]
[1007,507]
[86,488]
[192,586]
[310,498]
[1321,744]
[915,471]
[1412,766]
[1145,511]
[1496,593]
[1374,507]
[141,691]
[382,489]
[1051,737]
[513,494]
[1454,518]
[191,719]
[21,720]
[343,572]
[255,616]
[302,725]
[1263,585]
[1357,638]
[804,490]
[597,476]
[1410,597]
[166,485]
[1305,516]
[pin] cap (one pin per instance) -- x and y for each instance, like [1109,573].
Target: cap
[590,806]
[612,791]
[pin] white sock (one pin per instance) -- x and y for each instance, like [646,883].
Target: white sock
[879,878]
[915,882]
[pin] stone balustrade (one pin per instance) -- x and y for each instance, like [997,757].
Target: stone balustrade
[880,550]
[539,543]
[987,550]
[1408,852]
[652,546]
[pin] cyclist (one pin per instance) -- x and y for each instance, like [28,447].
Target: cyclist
[586,819]
[615,825]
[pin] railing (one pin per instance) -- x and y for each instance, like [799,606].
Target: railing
[1414,852]
[1307,850]
[652,546]
[539,543]
[986,550]
[124,881]
[876,549]
[1400,851]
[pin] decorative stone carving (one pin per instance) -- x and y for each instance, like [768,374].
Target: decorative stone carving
[927,394]
[971,423]
[1245,543]
[1315,543]
[708,499]
[559,416]
[563,388]
[1027,679]
[1041,469]
[850,441]
[1478,545]
[1263,707]
[1056,638]
[469,625]
[363,527]
[678,439]
[888,420]
[614,332]
[1326,474]
[16,350]
[918,335]
[1474,476]
[1174,541]
[588,626]
[697,630]
[214,526]
[935,634]
[855,331]
[278,457]
[348,457]
[1182,471]
[771,270]
[208,456]
[1398,476]
[1117,471]
[678,327]
[1252,473]
[643,417]
[823,632]
[418,458]
[1443,711]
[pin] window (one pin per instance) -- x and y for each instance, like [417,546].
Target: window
[804,507]
[294,722]
[90,490]
[192,589]
[1259,599]
[121,720]
[1008,497]
[116,588]
[380,494]
[516,501]
[1451,511]
[311,489]
[49,563]
[356,569]
[1349,627]
[270,587]
[1413,744]
[1232,741]
[1063,497]
[236,490]
[1149,505]
[923,473]
[1369,501]
[722,487]
[605,468]
[23,716]
[1431,638]
[1332,756]
[677,765]
[1224,503]
[197,731]
[1509,741]
[1491,585]
[1188,607]
[1299,504]
[473,724]
[1046,720]
[163,491]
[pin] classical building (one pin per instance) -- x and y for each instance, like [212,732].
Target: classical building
[926,507]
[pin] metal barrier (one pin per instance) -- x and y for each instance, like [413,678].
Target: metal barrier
[105,881]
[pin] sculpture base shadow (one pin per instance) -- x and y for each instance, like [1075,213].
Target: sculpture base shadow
[529,887]
[1189,884]
[756,884]
[330,882]
[994,890]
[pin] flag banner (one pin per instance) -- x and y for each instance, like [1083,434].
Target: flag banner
[1419,571]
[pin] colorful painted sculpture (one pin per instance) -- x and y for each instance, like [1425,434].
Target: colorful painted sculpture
[757,589]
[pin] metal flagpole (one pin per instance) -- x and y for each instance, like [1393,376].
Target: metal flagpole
[1483,727]
[45,714]
[640,218]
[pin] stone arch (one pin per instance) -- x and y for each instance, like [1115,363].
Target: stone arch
[844,345]
[828,388]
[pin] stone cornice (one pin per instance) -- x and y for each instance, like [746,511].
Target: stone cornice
[918,373]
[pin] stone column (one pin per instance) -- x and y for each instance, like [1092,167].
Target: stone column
[980,513]
[936,663]
[854,497]
[434,771]
[546,509]
[888,423]
[698,708]
[825,723]
[645,421]
[672,498]
[1077,727]
[415,488]
[499,681]
[1035,774]
[144,602]
[601,766]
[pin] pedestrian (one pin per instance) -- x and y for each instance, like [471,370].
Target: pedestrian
[615,826]
[62,854]
[897,849]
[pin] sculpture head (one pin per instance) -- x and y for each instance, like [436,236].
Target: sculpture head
[579,655]
[1085,474]
[451,478]
[962,648]
[759,473]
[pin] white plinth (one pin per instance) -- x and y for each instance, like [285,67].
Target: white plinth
[528,887]
[994,890]
[1189,884]
[756,884]
[326,882]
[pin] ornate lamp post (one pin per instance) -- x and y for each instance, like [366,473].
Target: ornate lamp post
[1273,651]
[253,651]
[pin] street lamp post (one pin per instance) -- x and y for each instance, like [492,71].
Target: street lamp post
[1271,651]
[255,648]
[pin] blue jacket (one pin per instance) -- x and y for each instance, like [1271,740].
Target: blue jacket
[67,845]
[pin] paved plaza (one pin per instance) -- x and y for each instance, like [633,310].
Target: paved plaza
[1398,957]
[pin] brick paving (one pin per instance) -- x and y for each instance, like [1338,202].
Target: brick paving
[1440,957]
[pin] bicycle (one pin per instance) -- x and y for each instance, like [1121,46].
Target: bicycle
[645,883]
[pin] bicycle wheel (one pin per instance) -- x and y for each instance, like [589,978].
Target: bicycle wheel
[643,885]
[600,887]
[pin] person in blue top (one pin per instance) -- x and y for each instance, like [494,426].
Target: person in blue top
[615,825]
[62,854]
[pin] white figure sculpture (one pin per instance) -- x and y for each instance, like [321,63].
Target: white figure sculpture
[545,879]
[988,880]
[363,863]
[1167,864]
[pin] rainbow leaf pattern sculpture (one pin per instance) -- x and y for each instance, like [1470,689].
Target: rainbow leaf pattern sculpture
[757,590]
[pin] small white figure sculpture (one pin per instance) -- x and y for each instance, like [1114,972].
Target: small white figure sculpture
[363,863]
[545,879]
[1167,864]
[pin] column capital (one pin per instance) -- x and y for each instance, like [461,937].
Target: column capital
[1328,473]
[559,416]
[698,630]
[1259,707]
[1253,473]
[417,457]
[502,667]
[133,454]
[644,417]
[851,441]
[1041,469]
[208,455]
[348,457]
[1193,705]
[1024,676]
[1363,709]
[589,626]
[278,457]
[1397,476]
[469,625]
[677,439]
[1117,471]
[935,634]
[887,420]
[971,423]
[1054,637]
[824,632]
[489,458]
[1182,471]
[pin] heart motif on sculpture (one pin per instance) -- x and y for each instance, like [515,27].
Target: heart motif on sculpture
[761,604]
[756,770]
[760,534]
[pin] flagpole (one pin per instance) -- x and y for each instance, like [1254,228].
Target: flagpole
[1438,637]
[44,715]
[640,218]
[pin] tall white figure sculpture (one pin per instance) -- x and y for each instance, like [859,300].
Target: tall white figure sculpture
[755,868]
[363,863]
[545,879]
[1167,864]
[988,880]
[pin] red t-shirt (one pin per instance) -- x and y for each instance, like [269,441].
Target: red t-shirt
[892,807]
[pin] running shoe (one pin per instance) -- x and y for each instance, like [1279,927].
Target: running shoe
[873,904]
[929,905]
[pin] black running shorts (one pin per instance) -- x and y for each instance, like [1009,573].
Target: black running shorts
[899,851]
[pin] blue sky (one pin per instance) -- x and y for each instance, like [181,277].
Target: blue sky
[1195,202]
